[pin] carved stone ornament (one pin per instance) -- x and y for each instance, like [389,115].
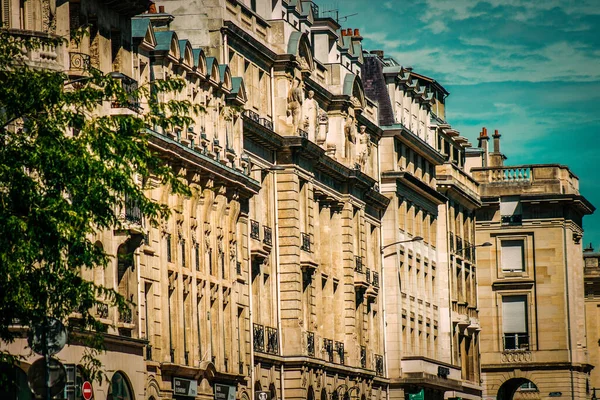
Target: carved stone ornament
[295,99]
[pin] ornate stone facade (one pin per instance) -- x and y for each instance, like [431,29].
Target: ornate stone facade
[530,278]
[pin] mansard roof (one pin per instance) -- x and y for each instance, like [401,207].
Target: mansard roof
[353,87]
[299,45]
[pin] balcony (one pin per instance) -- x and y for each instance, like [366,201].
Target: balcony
[133,213]
[368,275]
[363,356]
[451,237]
[47,56]
[339,349]
[126,316]
[310,344]
[267,236]
[305,242]
[328,349]
[79,64]
[259,338]
[252,115]
[271,344]
[254,229]
[376,279]
[378,364]
[267,123]
[130,87]
[358,264]
[102,311]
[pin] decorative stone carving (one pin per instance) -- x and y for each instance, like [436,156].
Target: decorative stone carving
[323,119]
[517,356]
[294,107]
[310,112]
[350,134]
[363,147]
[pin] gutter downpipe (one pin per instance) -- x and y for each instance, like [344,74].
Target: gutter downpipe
[387,388]
[250,315]
[276,248]
[569,344]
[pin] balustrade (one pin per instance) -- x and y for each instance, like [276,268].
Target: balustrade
[516,174]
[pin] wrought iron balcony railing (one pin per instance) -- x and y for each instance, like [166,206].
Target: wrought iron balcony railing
[459,245]
[267,235]
[126,316]
[238,268]
[379,364]
[133,213]
[363,356]
[516,219]
[339,348]
[376,279]
[328,348]
[303,133]
[305,246]
[368,275]
[130,86]
[149,352]
[451,242]
[79,61]
[272,340]
[241,368]
[359,264]
[259,338]
[254,229]
[310,343]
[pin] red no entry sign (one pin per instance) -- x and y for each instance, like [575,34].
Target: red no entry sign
[86,390]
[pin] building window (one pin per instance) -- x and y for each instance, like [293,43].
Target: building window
[514,322]
[510,210]
[512,255]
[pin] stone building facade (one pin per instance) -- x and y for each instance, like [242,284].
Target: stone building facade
[431,304]
[531,298]
[591,276]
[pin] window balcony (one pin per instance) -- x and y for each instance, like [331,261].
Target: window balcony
[379,365]
[305,242]
[267,236]
[266,339]
[254,229]
[363,356]
[328,349]
[339,349]
[310,344]
[358,261]
[376,279]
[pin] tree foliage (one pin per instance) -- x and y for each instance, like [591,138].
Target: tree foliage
[66,169]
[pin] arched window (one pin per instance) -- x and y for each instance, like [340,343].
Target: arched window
[120,388]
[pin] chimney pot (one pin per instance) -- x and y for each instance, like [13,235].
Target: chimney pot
[161,9]
[496,134]
[356,32]
[152,8]
[349,32]
[343,32]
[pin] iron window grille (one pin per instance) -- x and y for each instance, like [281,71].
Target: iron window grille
[339,348]
[268,235]
[359,264]
[375,279]
[305,246]
[379,364]
[259,338]
[363,356]
[254,229]
[328,347]
[310,343]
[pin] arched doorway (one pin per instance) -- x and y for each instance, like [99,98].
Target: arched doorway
[13,383]
[120,389]
[517,389]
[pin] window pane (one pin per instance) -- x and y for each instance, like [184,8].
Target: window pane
[514,314]
[512,255]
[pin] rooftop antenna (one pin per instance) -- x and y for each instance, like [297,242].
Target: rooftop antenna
[334,11]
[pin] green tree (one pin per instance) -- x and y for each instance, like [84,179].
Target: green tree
[65,170]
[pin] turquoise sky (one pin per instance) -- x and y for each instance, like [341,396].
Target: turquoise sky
[530,69]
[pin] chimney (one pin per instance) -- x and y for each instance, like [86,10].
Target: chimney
[496,159]
[496,141]
[356,32]
[343,32]
[161,9]
[349,32]
[589,249]
[483,144]
[152,8]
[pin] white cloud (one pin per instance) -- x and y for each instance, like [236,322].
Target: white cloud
[479,60]
[437,27]
[382,39]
